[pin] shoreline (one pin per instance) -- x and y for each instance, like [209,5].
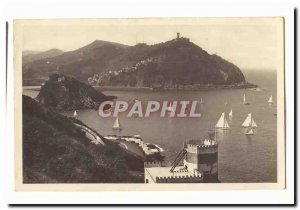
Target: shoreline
[120,88]
[214,87]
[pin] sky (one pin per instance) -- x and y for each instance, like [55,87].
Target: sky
[249,43]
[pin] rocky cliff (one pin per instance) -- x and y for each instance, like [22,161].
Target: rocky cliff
[61,92]
[55,150]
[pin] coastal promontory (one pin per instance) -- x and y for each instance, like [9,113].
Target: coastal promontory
[172,64]
[62,92]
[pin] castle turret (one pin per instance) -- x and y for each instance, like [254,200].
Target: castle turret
[200,164]
[202,157]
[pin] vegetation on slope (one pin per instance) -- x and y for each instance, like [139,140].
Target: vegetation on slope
[61,92]
[56,151]
[175,62]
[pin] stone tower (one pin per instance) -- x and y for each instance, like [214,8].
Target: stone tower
[202,156]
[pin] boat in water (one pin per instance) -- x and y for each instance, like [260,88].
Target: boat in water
[245,102]
[75,113]
[230,115]
[270,101]
[249,122]
[249,132]
[117,125]
[222,123]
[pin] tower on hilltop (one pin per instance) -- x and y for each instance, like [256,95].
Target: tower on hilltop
[181,38]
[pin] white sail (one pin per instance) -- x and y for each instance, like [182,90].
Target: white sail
[270,99]
[116,124]
[225,123]
[201,101]
[230,114]
[244,99]
[249,122]
[75,113]
[222,122]
[253,124]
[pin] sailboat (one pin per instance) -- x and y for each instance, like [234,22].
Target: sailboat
[116,125]
[249,132]
[222,123]
[249,122]
[75,114]
[230,115]
[245,103]
[201,101]
[270,101]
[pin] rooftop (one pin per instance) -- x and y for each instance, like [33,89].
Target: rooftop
[201,142]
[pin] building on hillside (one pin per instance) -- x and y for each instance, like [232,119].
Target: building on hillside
[179,38]
[196,163]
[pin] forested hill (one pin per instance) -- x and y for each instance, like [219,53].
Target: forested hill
[171,63]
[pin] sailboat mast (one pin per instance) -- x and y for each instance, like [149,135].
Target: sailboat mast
[215,134]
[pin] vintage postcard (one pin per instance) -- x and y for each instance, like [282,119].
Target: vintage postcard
[149,104]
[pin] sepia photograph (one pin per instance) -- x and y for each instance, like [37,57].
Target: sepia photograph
[150,101]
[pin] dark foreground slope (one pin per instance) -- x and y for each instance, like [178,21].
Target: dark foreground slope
[56,151]
[61,92]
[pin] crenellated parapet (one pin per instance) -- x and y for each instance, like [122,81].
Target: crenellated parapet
[200,164]
[192,148]
[180,179]
[156,164]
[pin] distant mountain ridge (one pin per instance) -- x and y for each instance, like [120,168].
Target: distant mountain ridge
[30,56]
[30,52]
[175,62]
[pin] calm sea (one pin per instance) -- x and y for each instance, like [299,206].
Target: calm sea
[241,158]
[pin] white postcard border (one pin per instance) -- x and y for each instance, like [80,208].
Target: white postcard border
[124,197]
